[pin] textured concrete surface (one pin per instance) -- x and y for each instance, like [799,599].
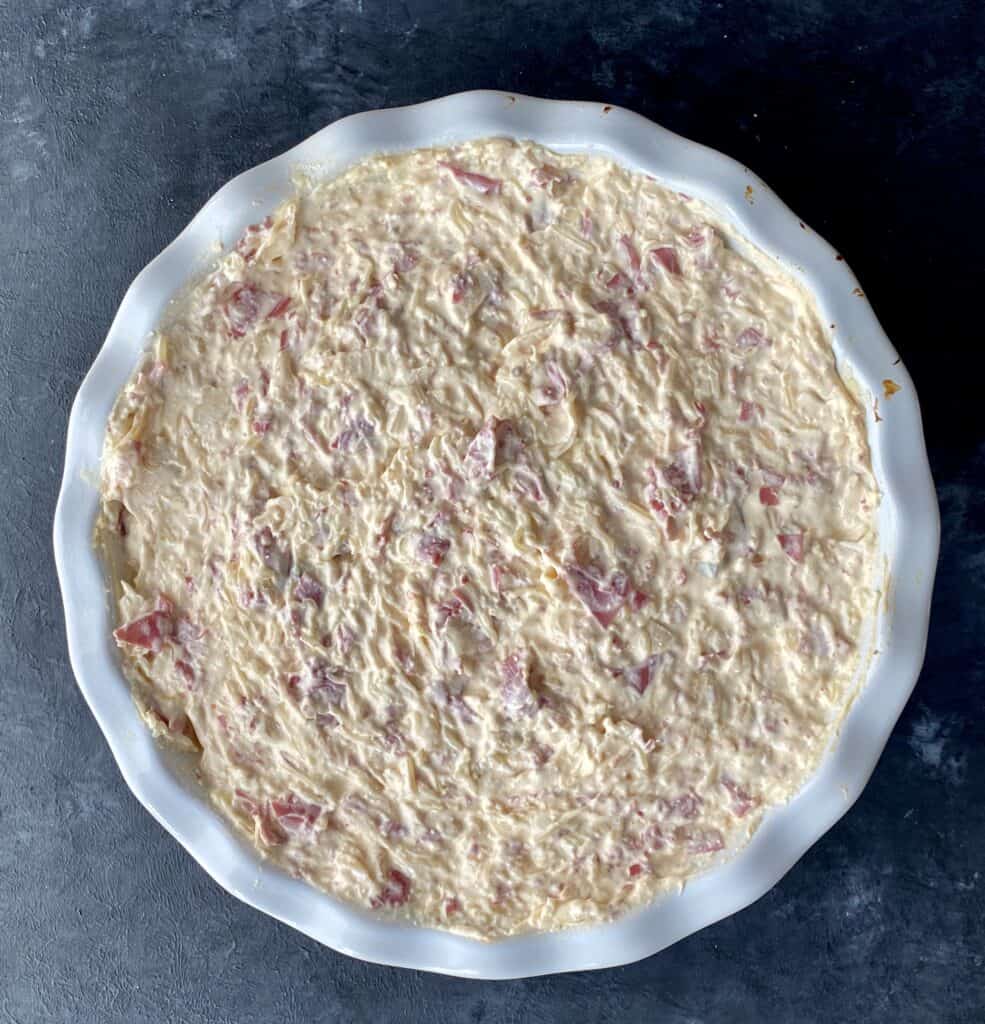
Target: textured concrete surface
[117,121]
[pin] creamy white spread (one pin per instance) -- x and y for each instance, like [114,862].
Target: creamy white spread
[498,530]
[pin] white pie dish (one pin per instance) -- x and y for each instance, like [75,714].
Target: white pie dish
[908,532]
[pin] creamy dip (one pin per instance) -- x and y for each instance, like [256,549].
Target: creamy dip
[496,528]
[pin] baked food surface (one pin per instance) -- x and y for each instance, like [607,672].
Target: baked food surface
[495,527]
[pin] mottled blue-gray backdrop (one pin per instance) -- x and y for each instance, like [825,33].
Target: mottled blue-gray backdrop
[118,120]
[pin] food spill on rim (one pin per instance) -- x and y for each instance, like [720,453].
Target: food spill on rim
[497,534]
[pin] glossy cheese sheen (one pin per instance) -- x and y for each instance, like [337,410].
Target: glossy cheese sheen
[498,532]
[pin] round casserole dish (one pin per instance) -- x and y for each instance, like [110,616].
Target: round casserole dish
[908,538]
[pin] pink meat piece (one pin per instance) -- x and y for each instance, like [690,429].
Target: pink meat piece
[268,829]
[666,257]
[309,589]
[792,544]
[495,443]
[621,326]
[360,429]
[603,598]
[279,308]
[675,485]
[319,693]
[395,892]
[767,496]
[432,548]
[479,182]
[745,412]
[620,280]
[480,456]
[528,484]
[242,309]
[248,245]
[452,608]
[460,284]
[186,670]
[294,814]
[683,474]
[149,631]
[262,426]
[743,802]
[640,676]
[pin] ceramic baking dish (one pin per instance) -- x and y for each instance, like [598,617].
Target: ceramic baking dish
[909,532]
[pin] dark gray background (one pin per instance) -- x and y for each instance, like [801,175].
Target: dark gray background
[118,120]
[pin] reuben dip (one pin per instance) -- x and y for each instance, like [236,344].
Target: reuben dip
[496,530]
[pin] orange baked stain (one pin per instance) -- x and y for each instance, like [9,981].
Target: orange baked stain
[890,387]
[749,198]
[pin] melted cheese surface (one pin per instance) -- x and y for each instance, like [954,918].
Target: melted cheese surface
[499,531]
